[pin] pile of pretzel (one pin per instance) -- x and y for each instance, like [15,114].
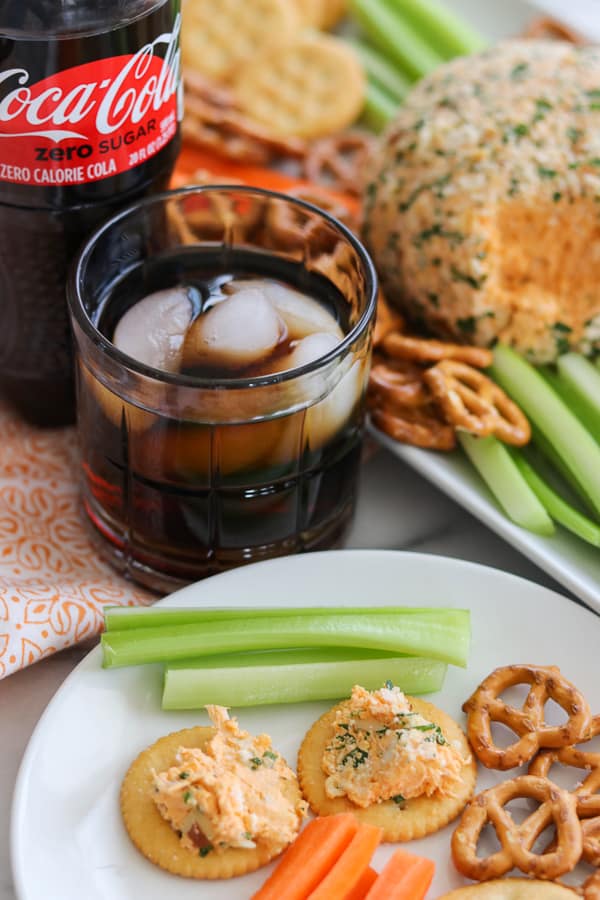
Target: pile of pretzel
[573,815]
[421,391]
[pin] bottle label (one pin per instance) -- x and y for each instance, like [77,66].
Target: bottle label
[93,121]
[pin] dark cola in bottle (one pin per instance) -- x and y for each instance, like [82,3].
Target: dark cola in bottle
[89,108]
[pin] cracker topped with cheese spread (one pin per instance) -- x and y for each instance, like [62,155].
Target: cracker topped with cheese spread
[396,762]
[211,802]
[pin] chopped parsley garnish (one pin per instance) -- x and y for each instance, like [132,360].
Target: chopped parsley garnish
[184,775]
[574,134]
[399,799]
[389,684]
[383,730]
[256,762]
[514,187]
[187,796]
[433,299]
[556,196]
[429,727]
[519,71]
[475,283]
[438,230]
[520,130]
[247,835]
[357,756]
[562,326]
[593,94]
[204,851]
[543,172]
[467,325]
[269,754]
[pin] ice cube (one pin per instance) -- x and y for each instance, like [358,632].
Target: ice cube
[302,314]
[325,419]
[308,349]
[152,331]
[238,331]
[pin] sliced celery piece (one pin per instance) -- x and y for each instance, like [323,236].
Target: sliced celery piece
[571,440]
[122,618]
[439,633]
[543,445]
[556,506]
[398,41]
[378,109]
[582,381]
[293,676]
[379,71]
[495,465]
[448,34]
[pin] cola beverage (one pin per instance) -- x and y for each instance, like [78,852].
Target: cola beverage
[90,103]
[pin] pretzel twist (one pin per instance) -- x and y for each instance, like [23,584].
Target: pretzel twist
[420,427]
[587,793]
[546,682]
[398,386]
[403,346]
[557,807]
[339,161]
[473,402]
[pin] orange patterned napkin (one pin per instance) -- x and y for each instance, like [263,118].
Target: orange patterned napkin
[52,584]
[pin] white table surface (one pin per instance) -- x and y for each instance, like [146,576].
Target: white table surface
[397,509]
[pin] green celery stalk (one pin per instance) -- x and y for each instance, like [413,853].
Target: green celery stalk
[122,618]
[572,399]
[379,108]
[582,382]
[293,676]
[545,409]
[557,507]
[448,34]
[401,44]
[495,465]
[380,73]
[438,633]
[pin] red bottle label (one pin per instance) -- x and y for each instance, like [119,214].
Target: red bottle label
[91,121]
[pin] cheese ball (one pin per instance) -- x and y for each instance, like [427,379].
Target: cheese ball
[482,211]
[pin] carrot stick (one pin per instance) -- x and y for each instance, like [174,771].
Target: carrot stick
[309,858]
[363,885]
[349,867]
[404,877]
[191,159]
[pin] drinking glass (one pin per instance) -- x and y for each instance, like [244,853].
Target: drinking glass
[186,476]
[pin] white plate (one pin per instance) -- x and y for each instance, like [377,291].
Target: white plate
[68,840]
[571,561]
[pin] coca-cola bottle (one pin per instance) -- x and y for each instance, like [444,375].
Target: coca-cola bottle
[89,108]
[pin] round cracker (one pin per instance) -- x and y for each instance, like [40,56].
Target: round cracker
[154,837]
[219,35]
[309,88]
[417,817]
[511,889]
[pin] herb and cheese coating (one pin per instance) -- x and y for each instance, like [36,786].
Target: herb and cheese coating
[231,793]
[382,749]
[483,210]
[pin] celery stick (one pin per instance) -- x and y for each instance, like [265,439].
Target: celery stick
[541,443]
[572,442]
[401,44]
[379,108]
[438,633]
[493,462]
[382,75]
[293,676]
[448,34]
[558,508]
[573,399]
[121,618]
[582,381]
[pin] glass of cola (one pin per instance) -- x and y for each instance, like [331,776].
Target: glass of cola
[223,341]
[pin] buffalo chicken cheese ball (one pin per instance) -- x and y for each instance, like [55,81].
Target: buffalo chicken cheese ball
[483,210]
